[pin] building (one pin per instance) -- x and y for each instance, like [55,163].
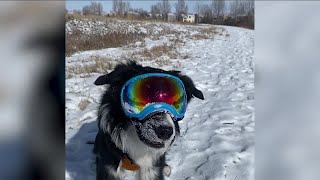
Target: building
[171,17]
[190,18]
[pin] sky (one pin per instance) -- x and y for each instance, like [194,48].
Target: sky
[146,4]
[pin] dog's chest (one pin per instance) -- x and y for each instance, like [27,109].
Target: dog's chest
[146,170]
[147,174]
[139,152]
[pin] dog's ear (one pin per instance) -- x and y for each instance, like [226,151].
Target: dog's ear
[101,80]
[104,79]
[191,90]
[120,72]
[110,78]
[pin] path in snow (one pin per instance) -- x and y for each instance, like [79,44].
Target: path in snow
[217,134]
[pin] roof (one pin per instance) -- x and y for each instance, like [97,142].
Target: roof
[187,15]
[132,12]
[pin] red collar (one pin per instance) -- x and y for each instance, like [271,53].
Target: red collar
[128,164]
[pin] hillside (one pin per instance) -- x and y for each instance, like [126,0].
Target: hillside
[217,134]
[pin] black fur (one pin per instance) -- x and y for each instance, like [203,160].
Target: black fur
[108,153]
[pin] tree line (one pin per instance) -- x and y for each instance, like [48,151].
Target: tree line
[215,12]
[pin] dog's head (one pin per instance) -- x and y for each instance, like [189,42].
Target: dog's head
[156,130]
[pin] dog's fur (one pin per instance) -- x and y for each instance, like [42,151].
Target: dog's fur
[146,142]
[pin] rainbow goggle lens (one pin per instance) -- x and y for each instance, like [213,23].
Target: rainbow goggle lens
[154,92]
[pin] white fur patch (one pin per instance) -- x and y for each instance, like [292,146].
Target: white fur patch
[144,155]
[129,142]
[114,173]
[170,120]
[141,153]
[115,136]
[104,112]
[147,173]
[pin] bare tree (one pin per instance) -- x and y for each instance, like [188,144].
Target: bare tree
[155,10]
[115,6]
[159,5]
[181,8]
[86,10]
[119,7]
[76,11]
[240,7]
[206,13]
[249,7]
[165,9]
[95,8]
[243,12]
[234,5]
[197,8]
[218,7]
[249,13]
[142,13]
[127,7]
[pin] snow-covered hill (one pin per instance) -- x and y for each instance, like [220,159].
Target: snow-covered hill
[217,134]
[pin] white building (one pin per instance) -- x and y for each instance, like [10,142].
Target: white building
[171,17]
[188,18]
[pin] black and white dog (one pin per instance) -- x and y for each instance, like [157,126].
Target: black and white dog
[122,144]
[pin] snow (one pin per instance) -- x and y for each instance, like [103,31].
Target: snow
[217,134]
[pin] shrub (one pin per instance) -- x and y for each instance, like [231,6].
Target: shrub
[78,41]
[83,104]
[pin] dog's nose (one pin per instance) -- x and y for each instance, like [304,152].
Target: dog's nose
[164,132]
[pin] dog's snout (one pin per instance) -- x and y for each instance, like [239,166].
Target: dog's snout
[162,125]
[164,132]
[158,115]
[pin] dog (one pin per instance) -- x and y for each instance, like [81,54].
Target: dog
[122,144]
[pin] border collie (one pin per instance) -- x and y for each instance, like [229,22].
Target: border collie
[122,144]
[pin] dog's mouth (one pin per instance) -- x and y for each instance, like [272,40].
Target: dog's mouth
[149,138]
[154,144]
[155,130]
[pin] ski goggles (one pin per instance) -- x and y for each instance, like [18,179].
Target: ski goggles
[154,92]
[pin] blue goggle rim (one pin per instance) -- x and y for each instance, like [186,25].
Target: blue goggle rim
[157,106]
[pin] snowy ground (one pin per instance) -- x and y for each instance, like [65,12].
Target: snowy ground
[217,134]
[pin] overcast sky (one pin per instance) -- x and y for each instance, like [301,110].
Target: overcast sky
[107,5]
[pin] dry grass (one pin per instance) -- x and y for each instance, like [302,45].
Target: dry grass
[200,36]
[207,33]
[157,52]
[69,17]
[160,50]
[137,19]
[99,65]
[78,41]
[164,32]
[210,30]
[186,56]
[78,16]
[83,104]
[160,54]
